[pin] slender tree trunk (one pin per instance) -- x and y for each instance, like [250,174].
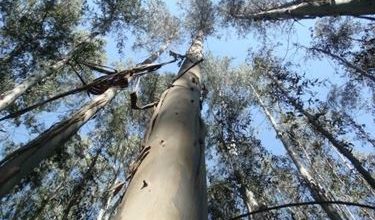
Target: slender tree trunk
[319,128]
[315,189]
[21,162]
[313,9]
[113,188]
[10,96]
[79,187]
[169,182]
[247,196]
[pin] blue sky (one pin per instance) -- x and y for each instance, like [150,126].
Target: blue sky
[237,48]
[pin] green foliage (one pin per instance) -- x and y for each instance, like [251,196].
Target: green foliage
[243,153]
[199,16]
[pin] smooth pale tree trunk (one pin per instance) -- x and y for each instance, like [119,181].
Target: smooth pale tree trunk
[313,9]
[169,181]
[345,213]
[315,189]
[21,162]
[247,196]
[249,199]
[319,128]
[10,96]
[114,186]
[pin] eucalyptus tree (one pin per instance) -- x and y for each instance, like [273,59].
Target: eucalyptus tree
[117,14]
[289,143]
[349,43]
[177,113]
[45,188]
[170,170]
[128,125]
[230,134]
[280,79]
[334,174]
[58,134]
[298,9]
[90,193]
[34,33]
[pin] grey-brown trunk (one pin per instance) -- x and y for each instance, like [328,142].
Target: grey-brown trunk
[169,181]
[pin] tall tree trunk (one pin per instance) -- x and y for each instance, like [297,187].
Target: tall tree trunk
[114,186]
[10,96]
[315,8]
[79,187]
[315,189]
[169,181]
[21,162]
[319,128]
[247,196]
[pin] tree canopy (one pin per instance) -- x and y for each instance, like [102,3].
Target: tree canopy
[282,97]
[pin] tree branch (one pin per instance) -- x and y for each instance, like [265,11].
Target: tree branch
[304,204]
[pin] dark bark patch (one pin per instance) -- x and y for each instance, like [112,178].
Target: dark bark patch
[145,184]
[192,101]
[162,143]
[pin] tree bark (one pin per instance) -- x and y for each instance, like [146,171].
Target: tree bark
[247,196]
[21,162]
[317,192]
[169,182]
[10,96]
[313,9]
[319,128]
[249,199]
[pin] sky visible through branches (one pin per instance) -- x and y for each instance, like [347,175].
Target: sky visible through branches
[226,43]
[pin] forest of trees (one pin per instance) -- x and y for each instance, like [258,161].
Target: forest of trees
[121,109]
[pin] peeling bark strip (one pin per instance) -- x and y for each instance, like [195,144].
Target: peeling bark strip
[20,163]
[174,169]
[313,9]
[10,96]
